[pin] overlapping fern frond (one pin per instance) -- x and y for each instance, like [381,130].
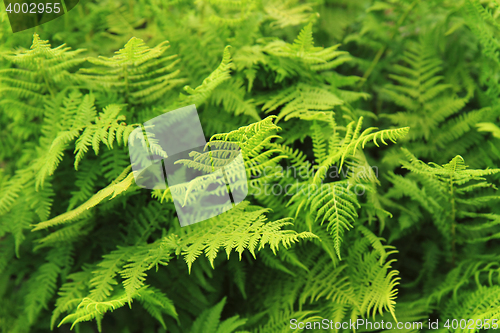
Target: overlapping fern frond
[143,74]
[454,196]
[440,126]
[248,231]
[336,202]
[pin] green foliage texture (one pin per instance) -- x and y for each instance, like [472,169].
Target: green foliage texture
[370,135]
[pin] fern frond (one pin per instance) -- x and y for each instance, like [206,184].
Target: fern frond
[117,187]
[303,49]
[202,93]
[302,101]
[332,202]
[143,259]
[104,129]
[233,230]
[89,309]
[70,294]
[209,320]
[354,139]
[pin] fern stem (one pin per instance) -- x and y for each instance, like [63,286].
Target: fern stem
[453,224]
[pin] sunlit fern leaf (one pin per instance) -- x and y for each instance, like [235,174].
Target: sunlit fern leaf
[337,202]
[301,101]
[353,140]
[144,258]
[48,164]
[120,185]
[373,282]
[70,294]
[104,277]
[44,282]
[105,127]
[333,203]
[41,70]
[202,92]
[143,74]
[152,299]
[286,13]
[489,127]
[233,230]
[255,141]
[303,50]
[90,309]
[41,201]
[71,115]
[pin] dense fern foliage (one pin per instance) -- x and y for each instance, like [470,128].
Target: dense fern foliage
[370,137]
